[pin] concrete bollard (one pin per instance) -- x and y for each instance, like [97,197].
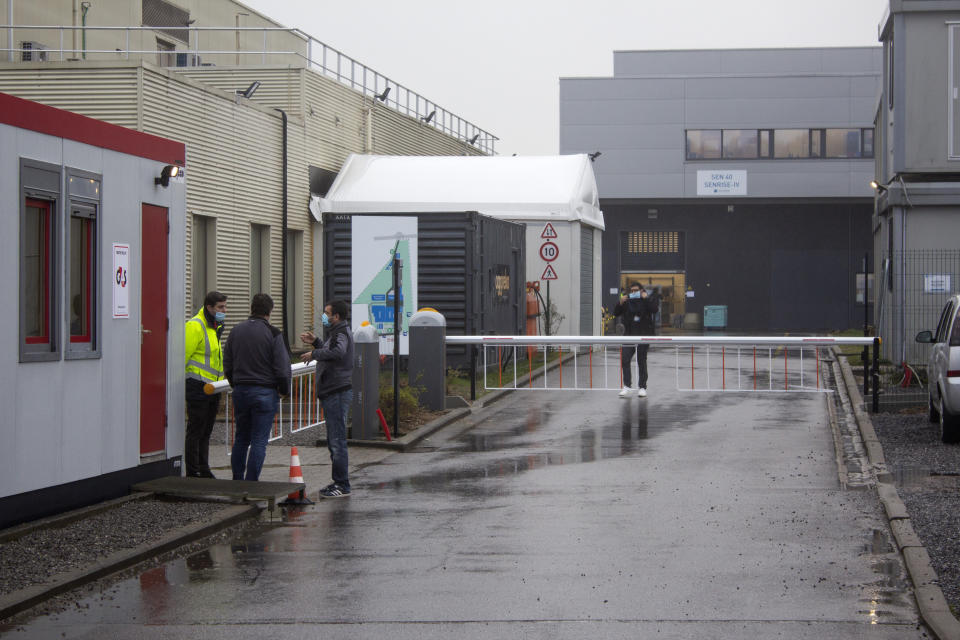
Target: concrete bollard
[366,383]
[427,366]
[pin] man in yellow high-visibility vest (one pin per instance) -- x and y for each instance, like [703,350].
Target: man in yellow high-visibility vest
[204,363]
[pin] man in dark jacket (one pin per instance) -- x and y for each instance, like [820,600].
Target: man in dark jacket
[257,365]
[637,311]
[334,358]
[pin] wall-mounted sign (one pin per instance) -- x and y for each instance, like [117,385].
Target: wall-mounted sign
[548,232]
[121,280]
[549,251]
[939,283]
[722,183]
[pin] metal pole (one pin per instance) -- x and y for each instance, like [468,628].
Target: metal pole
[876,375]
[397,322]
[10,29]
[546,312]
[866,325]
[473,372]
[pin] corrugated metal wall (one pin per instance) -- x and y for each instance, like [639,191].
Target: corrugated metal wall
[234,147]
[586,280]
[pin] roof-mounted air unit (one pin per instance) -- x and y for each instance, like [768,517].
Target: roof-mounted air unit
[32,51]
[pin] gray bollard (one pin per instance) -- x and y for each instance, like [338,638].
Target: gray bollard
[427,367]
[366,383]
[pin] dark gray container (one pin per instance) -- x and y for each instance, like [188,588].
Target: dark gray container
[471,269]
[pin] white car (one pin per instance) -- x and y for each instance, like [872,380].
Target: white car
[943,371]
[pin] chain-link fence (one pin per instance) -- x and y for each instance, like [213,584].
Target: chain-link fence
[912,287]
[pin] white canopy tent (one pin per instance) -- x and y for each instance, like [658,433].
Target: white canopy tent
[554,196]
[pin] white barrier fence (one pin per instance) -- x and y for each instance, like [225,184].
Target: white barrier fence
[702,363]
[298,411]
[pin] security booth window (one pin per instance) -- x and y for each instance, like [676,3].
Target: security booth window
[82,259]
[37,264]
[40,265]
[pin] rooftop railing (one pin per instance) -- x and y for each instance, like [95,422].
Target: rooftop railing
[209,46]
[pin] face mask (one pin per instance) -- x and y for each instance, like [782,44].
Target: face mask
[325,319]
[634,294]
[219,316]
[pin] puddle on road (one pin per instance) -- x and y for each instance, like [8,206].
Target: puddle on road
[889,597]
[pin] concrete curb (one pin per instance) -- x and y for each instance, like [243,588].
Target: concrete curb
[930,600]
[13,603]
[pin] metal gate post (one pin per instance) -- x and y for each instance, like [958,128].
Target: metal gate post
[876,375]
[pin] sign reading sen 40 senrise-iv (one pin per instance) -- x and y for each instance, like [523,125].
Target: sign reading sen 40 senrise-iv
[722,183]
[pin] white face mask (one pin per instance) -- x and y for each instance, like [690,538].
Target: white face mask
[325,319]
[634,294]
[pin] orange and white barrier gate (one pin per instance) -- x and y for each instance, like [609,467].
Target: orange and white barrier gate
[703,363]
[298,411]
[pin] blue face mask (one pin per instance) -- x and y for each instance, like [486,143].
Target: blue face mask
[325,319]
[219,316]
[634,294]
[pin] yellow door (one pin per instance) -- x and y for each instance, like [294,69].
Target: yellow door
[672,287]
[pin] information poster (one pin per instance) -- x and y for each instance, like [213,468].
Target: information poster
[121,279]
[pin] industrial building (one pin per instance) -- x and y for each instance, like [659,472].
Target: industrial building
[734,179]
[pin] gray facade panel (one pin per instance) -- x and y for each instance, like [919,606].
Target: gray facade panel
[610,137]
[623,112]
[769,112]
[620,88]
[770,87]
[719,61]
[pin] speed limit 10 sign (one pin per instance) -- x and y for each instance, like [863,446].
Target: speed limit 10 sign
[549,251]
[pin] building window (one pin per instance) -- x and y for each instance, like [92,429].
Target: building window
[791,143]
[259,259]
[653,242]
[38,270]
[166,53]
[740,143]
[750,144]
[203,254]
[39,334]
[703,144]
[82,260]
[843,143]
[860,289]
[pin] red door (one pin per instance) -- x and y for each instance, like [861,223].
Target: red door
[153,336]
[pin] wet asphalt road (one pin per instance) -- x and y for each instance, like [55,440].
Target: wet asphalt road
[556,515]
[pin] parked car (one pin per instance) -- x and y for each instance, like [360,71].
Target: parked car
[943,371]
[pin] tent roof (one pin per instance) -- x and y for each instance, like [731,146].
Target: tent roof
[520,188]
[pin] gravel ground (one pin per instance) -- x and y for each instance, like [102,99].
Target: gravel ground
[927,474]
[39,556]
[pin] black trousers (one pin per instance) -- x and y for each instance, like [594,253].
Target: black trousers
[626,356]
[201,414]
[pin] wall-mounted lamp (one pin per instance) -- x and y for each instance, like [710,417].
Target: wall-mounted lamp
[249,91]
[382,97]
[169,171]
[429,117]
[474,139]
[593,156]
[876,186]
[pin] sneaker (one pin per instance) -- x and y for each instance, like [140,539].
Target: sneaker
[334,491]
[625,392]
[642,392]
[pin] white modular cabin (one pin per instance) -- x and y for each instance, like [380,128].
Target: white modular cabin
[554,196]
[92,371]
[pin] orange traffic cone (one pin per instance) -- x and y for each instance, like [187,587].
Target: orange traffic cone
[296,477]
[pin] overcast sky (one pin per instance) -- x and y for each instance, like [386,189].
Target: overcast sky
[497,63]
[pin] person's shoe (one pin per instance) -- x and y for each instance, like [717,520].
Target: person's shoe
[334,491]
[206,474]
[642,392]
[625,392]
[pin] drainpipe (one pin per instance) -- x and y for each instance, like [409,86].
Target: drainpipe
[76,12]
[283,237]
[84,8]
[10,29]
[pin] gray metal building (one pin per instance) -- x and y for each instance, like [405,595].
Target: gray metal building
[916,227]
[736,178]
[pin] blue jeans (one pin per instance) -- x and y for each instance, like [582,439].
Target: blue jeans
[335,409]
[255,409]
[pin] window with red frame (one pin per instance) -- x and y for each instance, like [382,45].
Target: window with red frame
[81,272]
[38,271]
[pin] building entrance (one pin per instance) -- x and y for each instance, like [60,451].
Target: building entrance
[672,288]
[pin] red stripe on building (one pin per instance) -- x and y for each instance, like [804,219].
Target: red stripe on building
[42,118]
